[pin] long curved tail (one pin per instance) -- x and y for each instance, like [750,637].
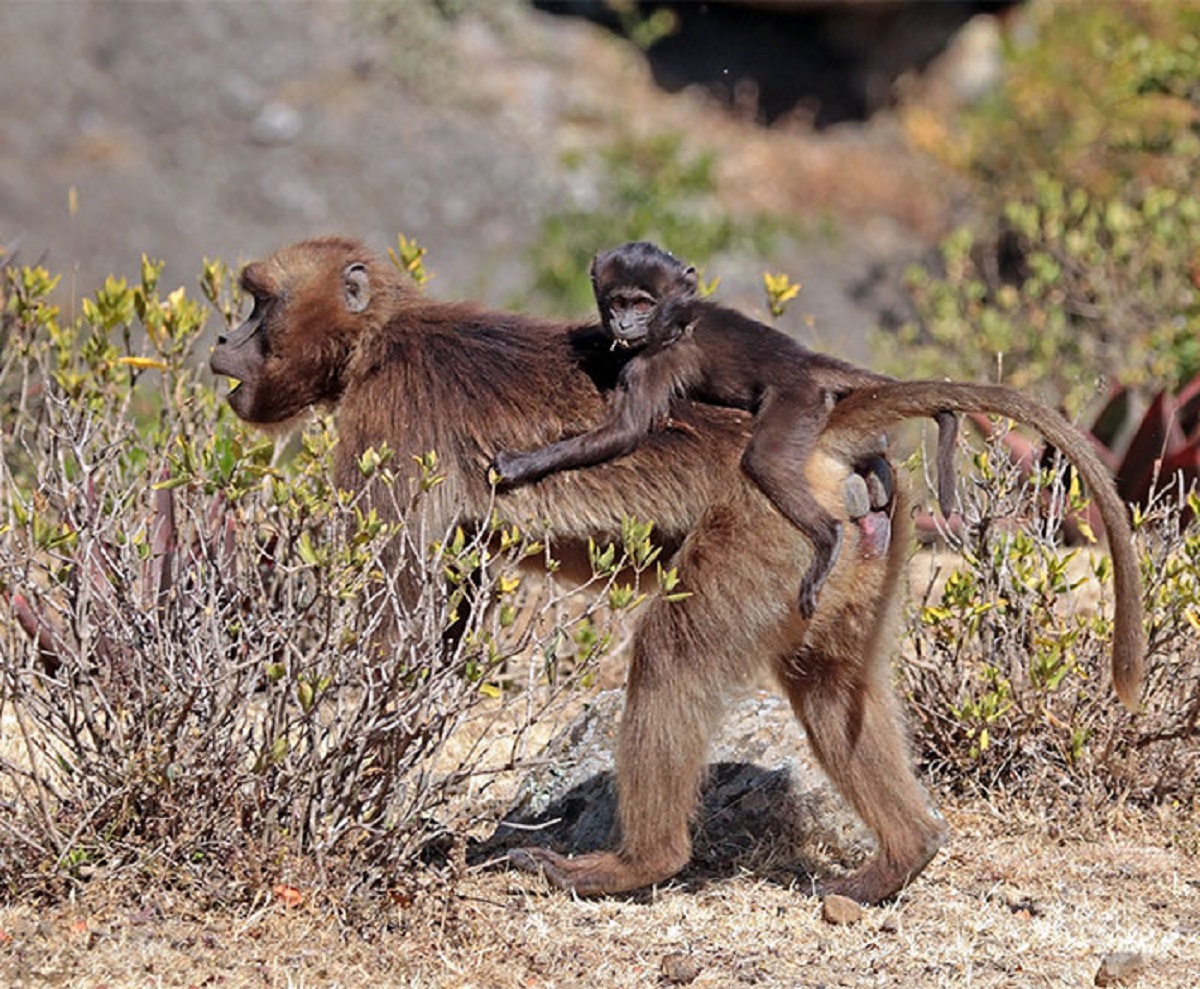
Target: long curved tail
[874,409]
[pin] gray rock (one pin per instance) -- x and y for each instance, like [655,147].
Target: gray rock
[765,805]
[679,969]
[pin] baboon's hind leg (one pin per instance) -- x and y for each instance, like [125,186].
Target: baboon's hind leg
[784,437]
[857,738]
[838,684]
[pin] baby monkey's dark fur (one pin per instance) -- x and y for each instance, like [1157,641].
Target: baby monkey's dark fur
[691,348]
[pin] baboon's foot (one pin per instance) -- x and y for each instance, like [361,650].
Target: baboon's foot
[882,878]
[824,558]
[594,874]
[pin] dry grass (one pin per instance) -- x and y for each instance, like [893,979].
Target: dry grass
[1006,906]
[1016,900]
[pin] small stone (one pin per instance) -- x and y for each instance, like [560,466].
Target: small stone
[840,910]
[1120,968]
[1020,903]
[679,968]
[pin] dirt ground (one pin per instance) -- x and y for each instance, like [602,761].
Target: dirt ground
[1011,903]
[1020,897]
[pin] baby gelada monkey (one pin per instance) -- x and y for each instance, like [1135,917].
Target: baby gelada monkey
[689,347]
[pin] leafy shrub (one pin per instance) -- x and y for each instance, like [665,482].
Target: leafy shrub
[1011,648]
[1087,267]
[1083,268]
[211,678]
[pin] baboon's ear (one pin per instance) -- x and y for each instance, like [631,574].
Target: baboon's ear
[356,287]
[689,276]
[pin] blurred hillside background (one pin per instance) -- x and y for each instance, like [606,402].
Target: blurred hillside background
[752,134]
[837,141]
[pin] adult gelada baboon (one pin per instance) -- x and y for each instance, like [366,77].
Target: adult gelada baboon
[333,324]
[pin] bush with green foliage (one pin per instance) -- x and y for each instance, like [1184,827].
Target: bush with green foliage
[1010,648]
[1089,268]
[1085,267]
[211,676]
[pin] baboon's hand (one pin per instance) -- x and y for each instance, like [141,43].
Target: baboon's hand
[506,468]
